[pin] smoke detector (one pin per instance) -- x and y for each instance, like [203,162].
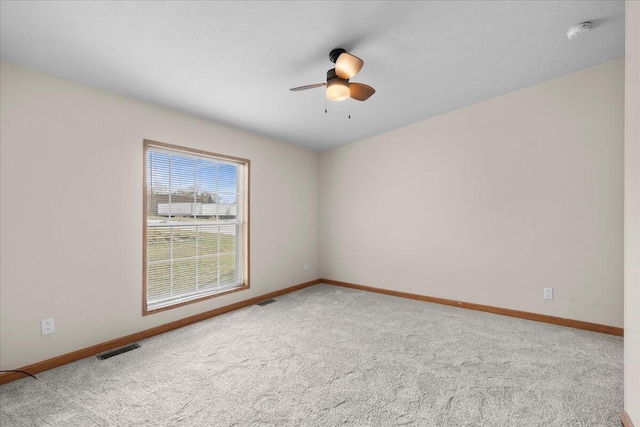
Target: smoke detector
[578,30]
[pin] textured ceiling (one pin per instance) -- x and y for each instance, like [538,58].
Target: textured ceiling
[234,62]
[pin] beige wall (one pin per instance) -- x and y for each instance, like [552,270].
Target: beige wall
[71,219]
[490,203]
[632,216]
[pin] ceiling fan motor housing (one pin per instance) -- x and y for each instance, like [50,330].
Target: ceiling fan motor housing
[331,75]
[335,53]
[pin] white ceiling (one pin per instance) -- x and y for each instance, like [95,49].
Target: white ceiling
[234,62]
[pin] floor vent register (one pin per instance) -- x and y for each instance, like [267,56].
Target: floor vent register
[117,351]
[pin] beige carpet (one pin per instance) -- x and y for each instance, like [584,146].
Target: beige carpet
[327,356]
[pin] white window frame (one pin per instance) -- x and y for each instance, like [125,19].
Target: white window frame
[241,222]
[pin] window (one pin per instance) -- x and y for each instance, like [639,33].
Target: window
[196,226]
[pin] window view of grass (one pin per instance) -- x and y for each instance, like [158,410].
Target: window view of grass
[181,259]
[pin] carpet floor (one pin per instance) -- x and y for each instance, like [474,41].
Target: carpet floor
[327,356]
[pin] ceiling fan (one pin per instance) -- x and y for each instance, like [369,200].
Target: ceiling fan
[338,86]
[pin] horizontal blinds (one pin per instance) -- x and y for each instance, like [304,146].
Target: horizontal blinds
[193,233]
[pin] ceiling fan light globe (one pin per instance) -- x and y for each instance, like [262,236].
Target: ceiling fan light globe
[348,65]
[338,90]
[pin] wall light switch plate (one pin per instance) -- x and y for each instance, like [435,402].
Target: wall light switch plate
[548,293]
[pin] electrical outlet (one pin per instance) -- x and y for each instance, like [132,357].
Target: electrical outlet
[306,266]
[548,293]
[47,326]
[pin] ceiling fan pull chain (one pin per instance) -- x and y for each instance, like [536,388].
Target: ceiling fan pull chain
[325,105]
[349,107]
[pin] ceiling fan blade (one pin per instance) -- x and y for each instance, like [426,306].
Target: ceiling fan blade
[295,89]
[348,65]
[361,91]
